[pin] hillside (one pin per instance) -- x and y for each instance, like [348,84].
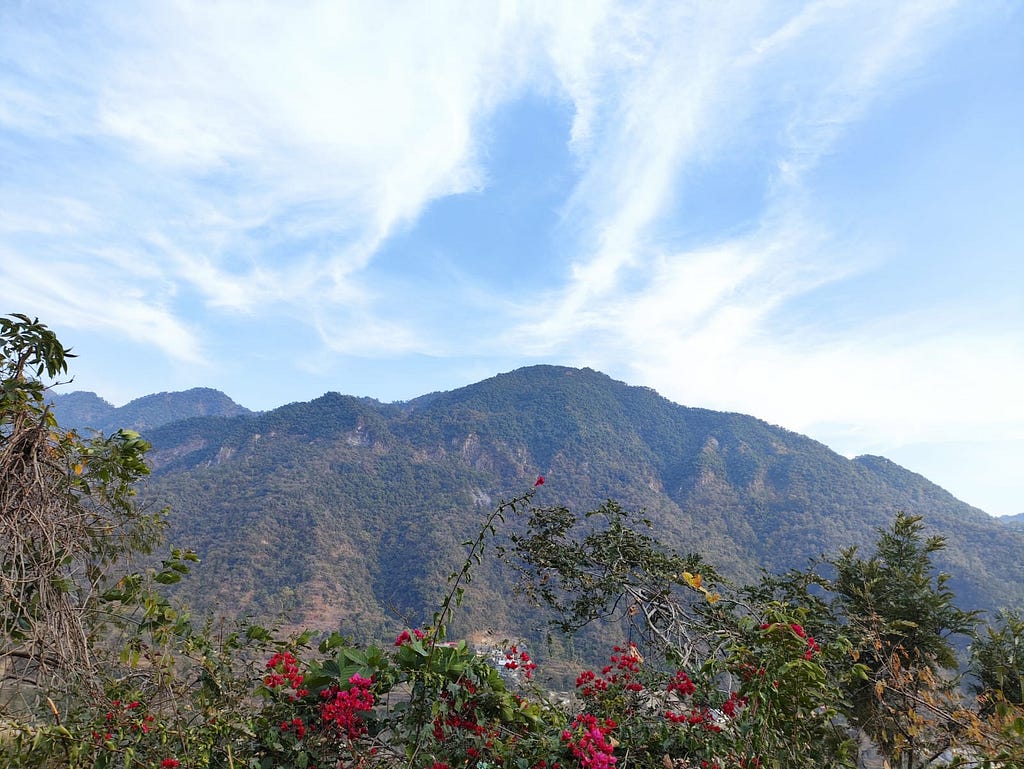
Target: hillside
[346,512]
[1014,521]
[85,411]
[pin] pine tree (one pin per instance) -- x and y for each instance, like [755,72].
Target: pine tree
[901,616]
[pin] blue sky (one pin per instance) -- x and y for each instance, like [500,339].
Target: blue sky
[808,212]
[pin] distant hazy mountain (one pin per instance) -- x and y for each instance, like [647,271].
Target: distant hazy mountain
[346,512]
[87,411]
[1014,521]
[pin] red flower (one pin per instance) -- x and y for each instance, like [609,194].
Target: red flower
[343,708]
[404,637]
[539,481]
[733,704]
[588,739]
[812,648]
[170,763]
[680,682]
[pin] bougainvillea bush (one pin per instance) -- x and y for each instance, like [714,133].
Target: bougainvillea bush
[413,704]
[707,676]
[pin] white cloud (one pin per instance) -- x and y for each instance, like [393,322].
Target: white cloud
[67,294]
[868,393]
[48,215]
[860,54]
[205,162]
[244,122]
[686,89]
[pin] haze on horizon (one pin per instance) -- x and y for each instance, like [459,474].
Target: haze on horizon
[803,211]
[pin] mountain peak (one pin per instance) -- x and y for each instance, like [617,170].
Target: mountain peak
[364,499]
[86,411]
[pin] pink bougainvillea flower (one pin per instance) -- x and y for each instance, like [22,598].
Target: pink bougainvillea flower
[343,708]
[404,637]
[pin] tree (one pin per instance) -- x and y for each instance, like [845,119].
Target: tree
[709,676]
[900,615]
[997,659]
[68,516]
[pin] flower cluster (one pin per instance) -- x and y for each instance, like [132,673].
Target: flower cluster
[681,683]
[459,717]
[519,659]
[297,725]
[404,637]
[342,708]
[702,716]
[624,667]
[124,715]
[284,672]
[732,705]
[748,671]
[812,647]
[589,741]
[589,684]
[447,723]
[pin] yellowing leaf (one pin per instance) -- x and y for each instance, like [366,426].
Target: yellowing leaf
[79,468]
[693,580]
[713,597]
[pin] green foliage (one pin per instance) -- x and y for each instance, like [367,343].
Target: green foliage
[178,694]
[607,571]
[26,345]
[997,659]
[740,682]
[897,596]
[68,516]
[901,616]
[734,681]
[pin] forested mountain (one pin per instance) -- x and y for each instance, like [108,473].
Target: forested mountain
[86,411]
[348,513]
[1015,521]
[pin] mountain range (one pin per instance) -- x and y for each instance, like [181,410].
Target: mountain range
[87,411]
[348,513]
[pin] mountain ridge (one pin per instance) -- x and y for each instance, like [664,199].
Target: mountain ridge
[348,512]
[84,411]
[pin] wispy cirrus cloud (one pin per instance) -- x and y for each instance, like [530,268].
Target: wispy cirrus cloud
[72,297]
[738,199]
[698,82]
[321,127]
